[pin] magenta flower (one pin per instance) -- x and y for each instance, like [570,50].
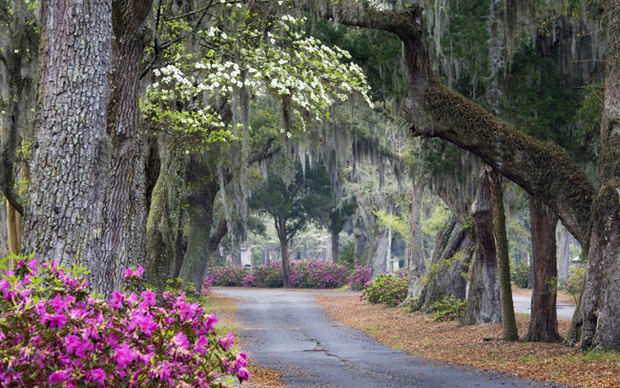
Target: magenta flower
[149,297]
[4,285]
[131,273]
[180,340]
[96,376]
[117,300]
[124,355]
[227,341]
[72,343]
[201,345]
[59,376]
[244,374]
[210,321]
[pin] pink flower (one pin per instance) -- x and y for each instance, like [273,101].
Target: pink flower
[59,376]
[4,285]
[145,322]
[227,341]
[201,345]
[96,376]
[124,355]
[210,321]
[241,361]
[180,340]
[149,297]
[72,343]
[117,300]
[243,374]
[55,320]
[131,273]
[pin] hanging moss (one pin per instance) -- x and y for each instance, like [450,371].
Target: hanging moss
[541,168]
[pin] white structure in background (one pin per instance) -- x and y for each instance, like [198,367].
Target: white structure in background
[393,264]
[246,256]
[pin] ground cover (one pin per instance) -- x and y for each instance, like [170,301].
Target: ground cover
[419,335]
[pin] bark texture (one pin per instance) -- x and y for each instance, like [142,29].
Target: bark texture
[450,263]
[71,152]
[601,310]
[483,300]
[123,240]
[415,258]
[509,324]
[280,224]
[543,321]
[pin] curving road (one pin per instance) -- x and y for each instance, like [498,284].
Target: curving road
[287,331]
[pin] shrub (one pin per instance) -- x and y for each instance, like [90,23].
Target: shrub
[359,277]
[54,333]
[228,276]
[520,274]
[318,274]
[389,289]
[268,276]
[449,309]
[576,280]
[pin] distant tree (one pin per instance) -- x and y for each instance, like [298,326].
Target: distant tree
[292,205]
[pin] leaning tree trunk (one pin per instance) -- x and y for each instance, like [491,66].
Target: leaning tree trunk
[483,301]
[451,259]
[71,157]
[544,320]
[509,324]
[415,258]
[123,239]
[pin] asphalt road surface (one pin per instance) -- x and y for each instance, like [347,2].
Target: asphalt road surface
[287,331]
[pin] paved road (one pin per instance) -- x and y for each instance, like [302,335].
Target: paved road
[523,305]
[287,331]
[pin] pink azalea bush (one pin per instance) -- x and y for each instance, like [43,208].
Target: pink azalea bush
[304,274]
[54,333]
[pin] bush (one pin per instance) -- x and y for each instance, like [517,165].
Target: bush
[449,309]
[318,274]
[576,280]
[268,276]
[228,276]
[389,289]
[54,333]
[520,274]
[359,278]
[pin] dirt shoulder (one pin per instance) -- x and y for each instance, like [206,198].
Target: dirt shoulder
[418,335]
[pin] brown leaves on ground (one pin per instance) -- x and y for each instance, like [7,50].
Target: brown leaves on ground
[418,335]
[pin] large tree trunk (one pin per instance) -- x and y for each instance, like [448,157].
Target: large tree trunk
[71,151]
[163,229]
[335,240]
[544,320]
[601,310]
[509,324]
[483,301]
[286,263]
[124,235]
[451,259]
[415,258]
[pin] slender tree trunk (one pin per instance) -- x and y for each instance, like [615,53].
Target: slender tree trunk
[544,320]
[564,239]
[335,245]
[483,301]
[415,258]
[286,263]
[71,157]
[509,324]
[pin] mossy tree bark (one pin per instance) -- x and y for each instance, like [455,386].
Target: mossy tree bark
[71,150]
[415,258]
[543,321]
[509,324]
[483,300]
[280,224]
[163,228]
[450,262]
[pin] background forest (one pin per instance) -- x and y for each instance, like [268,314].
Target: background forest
[188,132]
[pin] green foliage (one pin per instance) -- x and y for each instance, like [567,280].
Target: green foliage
[347,255]
[576,281]
[399,223]
[520,274]
[449,309]
[389,289]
